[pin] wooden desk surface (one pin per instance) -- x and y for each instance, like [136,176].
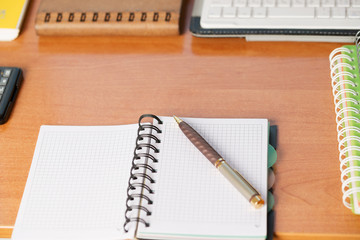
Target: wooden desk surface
[113,80]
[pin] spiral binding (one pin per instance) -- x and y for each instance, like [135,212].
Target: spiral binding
[342,66]
[144,159]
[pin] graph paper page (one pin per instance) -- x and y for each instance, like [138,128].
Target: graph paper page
[192,199]
[77,183]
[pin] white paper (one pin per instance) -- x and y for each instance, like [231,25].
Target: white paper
[192,199]
[77,184]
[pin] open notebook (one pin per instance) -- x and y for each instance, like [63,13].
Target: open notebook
[88,182]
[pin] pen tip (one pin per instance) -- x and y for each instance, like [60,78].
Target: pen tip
[178,120]
[257,201]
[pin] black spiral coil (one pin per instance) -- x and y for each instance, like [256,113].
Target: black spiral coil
[147,165]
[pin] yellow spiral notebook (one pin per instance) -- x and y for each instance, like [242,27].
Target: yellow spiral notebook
[344,65]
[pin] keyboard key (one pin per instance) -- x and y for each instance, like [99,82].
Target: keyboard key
[323,12]
[3,81]
[215,12]
[353,12]
[314,3]
[254,3]
[299,3]
[270,3]
[328,3]
[338,12]
[287,12]
[244,12]
[229,12]
[355,3]
[259,12]
[241,3]
[2,89]
[220,3]
[284,3]
[6,72]
[343,3]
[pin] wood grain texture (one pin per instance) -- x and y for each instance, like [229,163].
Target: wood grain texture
[113,80]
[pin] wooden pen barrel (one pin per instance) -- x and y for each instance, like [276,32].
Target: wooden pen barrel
[200,143]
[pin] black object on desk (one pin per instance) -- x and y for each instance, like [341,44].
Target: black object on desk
[10,81]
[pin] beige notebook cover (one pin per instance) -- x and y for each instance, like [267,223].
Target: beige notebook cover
[108,17]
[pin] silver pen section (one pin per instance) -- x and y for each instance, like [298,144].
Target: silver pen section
[240,183]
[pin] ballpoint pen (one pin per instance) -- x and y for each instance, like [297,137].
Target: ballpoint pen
[233,176]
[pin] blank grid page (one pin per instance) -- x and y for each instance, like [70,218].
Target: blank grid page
[192,198]
[77,183]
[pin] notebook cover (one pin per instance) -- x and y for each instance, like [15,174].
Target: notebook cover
[108,17]
[353,143]
[12,14]
[273,135]
[345,90]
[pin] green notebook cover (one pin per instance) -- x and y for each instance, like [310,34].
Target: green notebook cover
[344,64]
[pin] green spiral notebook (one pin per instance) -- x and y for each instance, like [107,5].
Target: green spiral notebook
[344,65]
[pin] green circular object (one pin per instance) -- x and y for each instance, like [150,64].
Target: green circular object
[272,156]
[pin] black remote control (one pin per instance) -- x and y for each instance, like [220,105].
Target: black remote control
[10,81]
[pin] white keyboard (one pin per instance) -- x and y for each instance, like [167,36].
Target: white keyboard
[281,14]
